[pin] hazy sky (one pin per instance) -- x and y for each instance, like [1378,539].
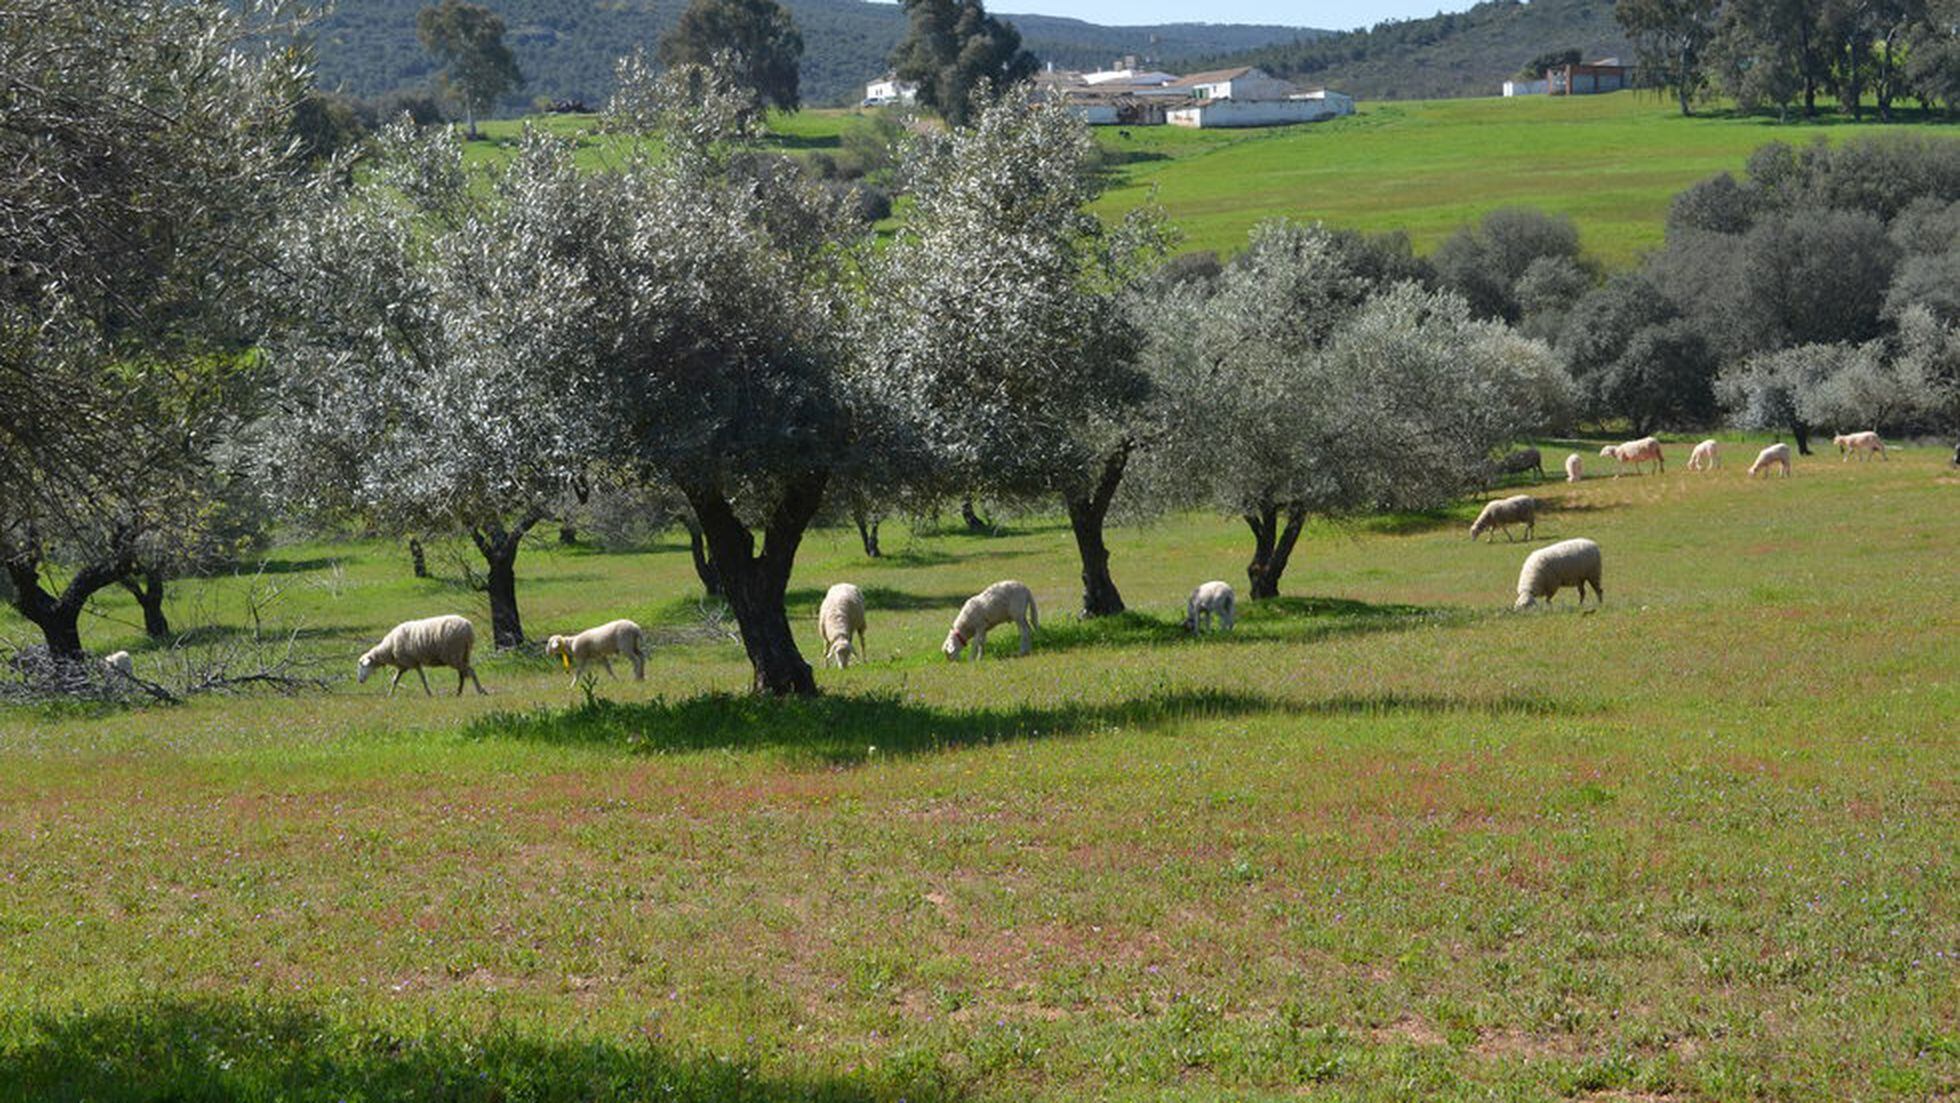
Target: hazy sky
[1340,15]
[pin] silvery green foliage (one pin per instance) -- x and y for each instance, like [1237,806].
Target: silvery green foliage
[1863,390]
[1929,367]
[697,103]
[436,369]
[994,324]
[1299,388]
[1765,391]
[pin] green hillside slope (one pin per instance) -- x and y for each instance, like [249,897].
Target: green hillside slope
[566,47]
[1467,53]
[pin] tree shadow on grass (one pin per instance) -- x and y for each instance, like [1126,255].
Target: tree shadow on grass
[230,1049]
[1288,619]
[877,599]
[841,729]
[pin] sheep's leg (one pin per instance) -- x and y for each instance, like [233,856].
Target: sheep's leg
[474,680]
[980,645]
[392,686]
[422,674]
[606,662]
[639,666]
[1027,636]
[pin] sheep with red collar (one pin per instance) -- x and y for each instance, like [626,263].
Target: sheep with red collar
[1004,601]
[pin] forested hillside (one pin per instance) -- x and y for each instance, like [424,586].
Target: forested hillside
[566,47]
[1468,53]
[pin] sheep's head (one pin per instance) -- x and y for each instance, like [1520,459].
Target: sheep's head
[1608,451]
[1477,528]
[840,654]
[954,644]
[556,648]
[1191,621]
[1525,600]
[364,668]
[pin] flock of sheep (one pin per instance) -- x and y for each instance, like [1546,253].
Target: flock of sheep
[447,641]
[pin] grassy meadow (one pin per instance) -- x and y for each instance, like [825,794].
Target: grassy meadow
[1611,162]
[1388,840]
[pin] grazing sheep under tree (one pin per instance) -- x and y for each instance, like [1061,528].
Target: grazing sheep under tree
[1004,601]
[1635,452]
[1556,566]
[1776,455]
[432,641]
[1212,599]
[1518,462]
[1706,457]
[1519,509]
[839,618]
[1575,468]
[1862,444]
[619,637]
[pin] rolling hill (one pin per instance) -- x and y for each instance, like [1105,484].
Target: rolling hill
[1468,53]
[566,47]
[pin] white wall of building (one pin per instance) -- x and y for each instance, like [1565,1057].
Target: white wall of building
[1228,113]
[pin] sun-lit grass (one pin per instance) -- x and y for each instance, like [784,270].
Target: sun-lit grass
[1386,841]
[1426,167]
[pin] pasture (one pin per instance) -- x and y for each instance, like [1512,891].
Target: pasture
[1388,840]
[1612,163]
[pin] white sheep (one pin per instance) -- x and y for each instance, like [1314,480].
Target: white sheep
[119,662]
[1556,566]
[619,637]
[1635,452]
[996,605]
[433,641]
[1574,468]
[839,618]
[1864,444]
[1707,456]
[1213,599]
[1776,455]
[1519,509]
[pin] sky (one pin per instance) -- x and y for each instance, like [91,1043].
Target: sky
[1338,15]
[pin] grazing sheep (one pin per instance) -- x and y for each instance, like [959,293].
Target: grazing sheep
[619,637]
[1635,452]
[1707,456]
[1774,455]
[414,644]
[119,663]
[1862,443]
[1526,459]
[1574,468]
[1556,566]
[1519,509]
[841,615]
[1004,601]
[1214,598]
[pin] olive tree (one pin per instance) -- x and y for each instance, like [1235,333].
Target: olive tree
[147,158]
[996,322]
[1341,395]
[434,367]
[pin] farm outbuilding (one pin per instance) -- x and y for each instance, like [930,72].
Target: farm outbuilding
[1310,107]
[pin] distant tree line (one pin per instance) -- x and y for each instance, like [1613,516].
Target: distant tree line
[1780,54]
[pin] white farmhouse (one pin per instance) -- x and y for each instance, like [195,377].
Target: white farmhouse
[888,89]
[1243,83]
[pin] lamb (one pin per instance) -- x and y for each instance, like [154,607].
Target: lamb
[1574,468]
[414,644]
[119,663]
[1556,566]
[1635,452]
[1774,455]
[1707,456]
[1004,601]
[1519,509]
[841,615]
[1862,443]
[1213,598]
[1523,460]
[619,637]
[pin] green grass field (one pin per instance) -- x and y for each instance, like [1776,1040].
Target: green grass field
[1611,162]
[1388,840]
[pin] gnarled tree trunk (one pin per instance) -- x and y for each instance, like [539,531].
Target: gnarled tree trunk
[867,526]
[1801,431]
[975,524]
[704,564]
[755,583]
[146,586]
[499,547]
[59,616]
[1086,515]
[417,558]
[1272,547]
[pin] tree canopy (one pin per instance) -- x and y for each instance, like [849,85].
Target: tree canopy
[760,35]
[468,39]
[954,51]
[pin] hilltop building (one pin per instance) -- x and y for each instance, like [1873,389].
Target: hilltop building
[888,90]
